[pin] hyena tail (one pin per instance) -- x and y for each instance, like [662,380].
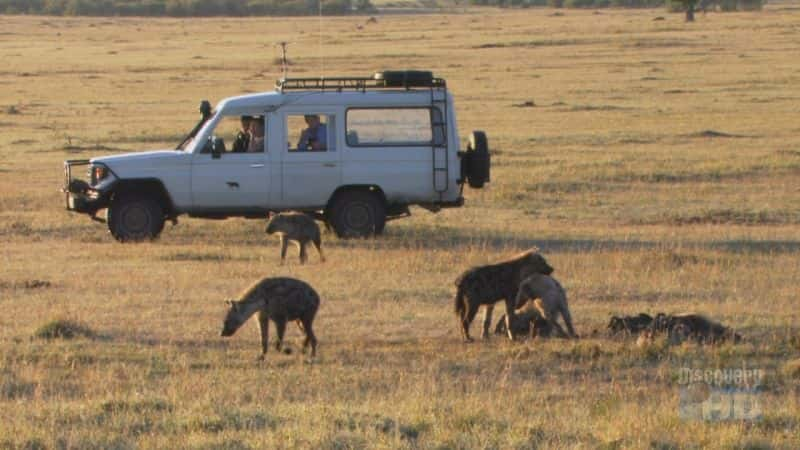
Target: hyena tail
[459,302]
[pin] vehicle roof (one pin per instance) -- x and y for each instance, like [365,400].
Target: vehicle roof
[270,100]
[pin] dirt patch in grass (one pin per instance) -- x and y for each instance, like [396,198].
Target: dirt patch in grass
[728,217]
[25,284]
[63,329]
[715,134]
[189,256]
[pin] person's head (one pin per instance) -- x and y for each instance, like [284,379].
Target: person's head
[246,122]
[257,126]
[312,120]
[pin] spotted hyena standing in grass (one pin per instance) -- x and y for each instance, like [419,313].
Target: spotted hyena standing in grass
[279,300]
[298,228]
[487,285]
[548,300]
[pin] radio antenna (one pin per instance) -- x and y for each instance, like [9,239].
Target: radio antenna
[321,53]
[284,61]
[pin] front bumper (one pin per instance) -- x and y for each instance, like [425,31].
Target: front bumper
[88,203]
[79,196]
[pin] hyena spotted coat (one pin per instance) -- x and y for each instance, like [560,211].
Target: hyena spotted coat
[298,228]
[549,301]
[279,300]
[487,285]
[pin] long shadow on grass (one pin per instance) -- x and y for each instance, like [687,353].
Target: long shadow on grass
[451,238]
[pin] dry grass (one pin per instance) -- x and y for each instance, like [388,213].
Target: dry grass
[613,173]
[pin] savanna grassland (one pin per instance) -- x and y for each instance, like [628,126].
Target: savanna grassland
[657,169]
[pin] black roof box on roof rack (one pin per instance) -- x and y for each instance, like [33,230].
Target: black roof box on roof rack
[405,78]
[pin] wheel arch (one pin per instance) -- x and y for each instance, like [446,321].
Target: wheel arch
[372,188]
[146,186]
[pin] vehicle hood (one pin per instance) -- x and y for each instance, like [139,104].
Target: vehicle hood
[155,156]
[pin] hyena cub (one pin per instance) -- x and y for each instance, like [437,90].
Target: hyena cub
[549,301]
[628,325]
[487,285]
[690,326]
[279,300]
[299,228]
[527,321]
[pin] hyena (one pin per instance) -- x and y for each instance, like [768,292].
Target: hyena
[629,325]
[299,228]
[684,326]
[487,285]
[527,321]
[549,300]
[279,300]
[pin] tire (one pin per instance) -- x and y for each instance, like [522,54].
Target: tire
[135,218]
[357,214]
[478,162]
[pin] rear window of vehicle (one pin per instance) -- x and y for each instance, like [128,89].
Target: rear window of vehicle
[389,127]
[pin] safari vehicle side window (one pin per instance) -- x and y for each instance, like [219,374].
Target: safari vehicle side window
[402,127]
[311,132]
[240,134]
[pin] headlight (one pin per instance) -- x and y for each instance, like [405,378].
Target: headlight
[97,173]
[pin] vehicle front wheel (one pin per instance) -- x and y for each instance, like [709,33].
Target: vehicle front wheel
[357,214]
[134,218]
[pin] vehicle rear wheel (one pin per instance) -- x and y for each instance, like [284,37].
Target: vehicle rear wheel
[357,214]
[134,218]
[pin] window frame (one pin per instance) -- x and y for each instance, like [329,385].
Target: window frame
[330,134]
[429,143]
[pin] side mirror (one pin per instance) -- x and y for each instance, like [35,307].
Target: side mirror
[217,147]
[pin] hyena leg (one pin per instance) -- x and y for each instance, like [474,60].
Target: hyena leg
[310,337]
[284,245]
[466,320]
[568,321]
[280,328]
[550,318]
[487,321]
[556,326]
[303,255]
[318,243]
[263,323]
[509,318]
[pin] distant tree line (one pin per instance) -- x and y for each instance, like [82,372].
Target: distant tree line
[183,8]
[672,5]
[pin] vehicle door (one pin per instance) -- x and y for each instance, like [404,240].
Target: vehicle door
[311,156]
[232,179]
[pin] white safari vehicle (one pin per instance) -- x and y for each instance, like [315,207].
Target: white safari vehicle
[353,152]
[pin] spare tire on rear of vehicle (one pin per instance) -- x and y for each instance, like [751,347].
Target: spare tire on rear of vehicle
[405,78]
[475,161]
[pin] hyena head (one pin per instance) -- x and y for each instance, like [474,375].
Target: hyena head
[535,262]
[616,325]
[233,319]
[275,224]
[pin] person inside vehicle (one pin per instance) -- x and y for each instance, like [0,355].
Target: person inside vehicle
[242,140]
[315,137]
[256,135]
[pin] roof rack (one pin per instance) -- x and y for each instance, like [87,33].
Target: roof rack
[381,80]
